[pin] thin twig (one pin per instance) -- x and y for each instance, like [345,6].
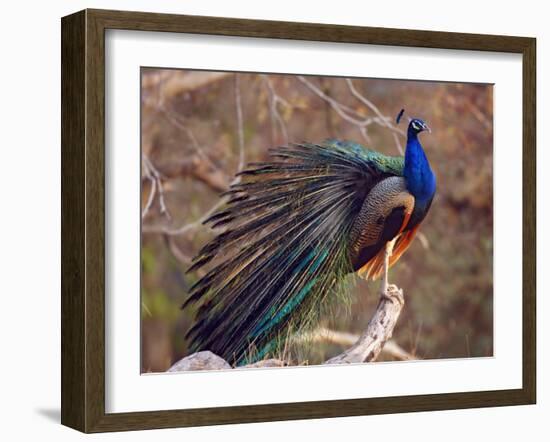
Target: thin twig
[185,227]
[341,109]
[153,175]
[352,116]
[274,101]
[417,339]
[152,192]
[240,128]
[385,121]
[180,124]
[179,254]
[423,240]
[398,144]
[146,309]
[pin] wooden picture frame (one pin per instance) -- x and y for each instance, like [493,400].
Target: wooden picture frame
[83,220]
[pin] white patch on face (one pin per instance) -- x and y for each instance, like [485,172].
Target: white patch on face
[415,125]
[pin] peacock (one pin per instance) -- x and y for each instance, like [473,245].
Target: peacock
[293,229]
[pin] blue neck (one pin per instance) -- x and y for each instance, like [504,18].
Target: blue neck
[417,172]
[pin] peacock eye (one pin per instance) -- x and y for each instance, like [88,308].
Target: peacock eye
[415,125]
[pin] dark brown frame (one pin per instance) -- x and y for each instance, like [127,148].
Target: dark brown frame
[83,220]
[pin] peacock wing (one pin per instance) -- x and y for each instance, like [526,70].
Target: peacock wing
[385,214]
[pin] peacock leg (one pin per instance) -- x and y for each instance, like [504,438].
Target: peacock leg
[388,250]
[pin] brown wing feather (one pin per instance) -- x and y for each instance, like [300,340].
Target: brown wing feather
[374,268]
[383,217]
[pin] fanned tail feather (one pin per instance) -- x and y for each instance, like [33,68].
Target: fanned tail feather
[283,250]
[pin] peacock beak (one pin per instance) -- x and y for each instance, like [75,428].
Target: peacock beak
[427,128]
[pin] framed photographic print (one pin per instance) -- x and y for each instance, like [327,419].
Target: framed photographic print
[267,221]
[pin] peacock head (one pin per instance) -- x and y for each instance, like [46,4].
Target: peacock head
[417,125]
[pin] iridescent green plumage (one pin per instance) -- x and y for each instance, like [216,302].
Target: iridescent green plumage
[392,165]
[284,250]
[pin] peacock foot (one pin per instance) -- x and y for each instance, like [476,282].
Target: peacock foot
[393,294]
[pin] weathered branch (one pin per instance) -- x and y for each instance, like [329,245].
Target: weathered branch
[390,348]
[367,348]
[378,332]
[202,360]
[170,83]
[206,360]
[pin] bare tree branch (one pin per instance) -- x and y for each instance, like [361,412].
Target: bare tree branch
[171,84]
[341,109]
[152,193]
[378,332]
[153,175]
[274,101]
[385,120]
[322,334]
[196,167]
[240,128]
[199,165]
[181,125]
[177,253]
[365,349]
[187,226]
[352,116]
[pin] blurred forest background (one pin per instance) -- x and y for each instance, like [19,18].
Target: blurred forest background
[200,128]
